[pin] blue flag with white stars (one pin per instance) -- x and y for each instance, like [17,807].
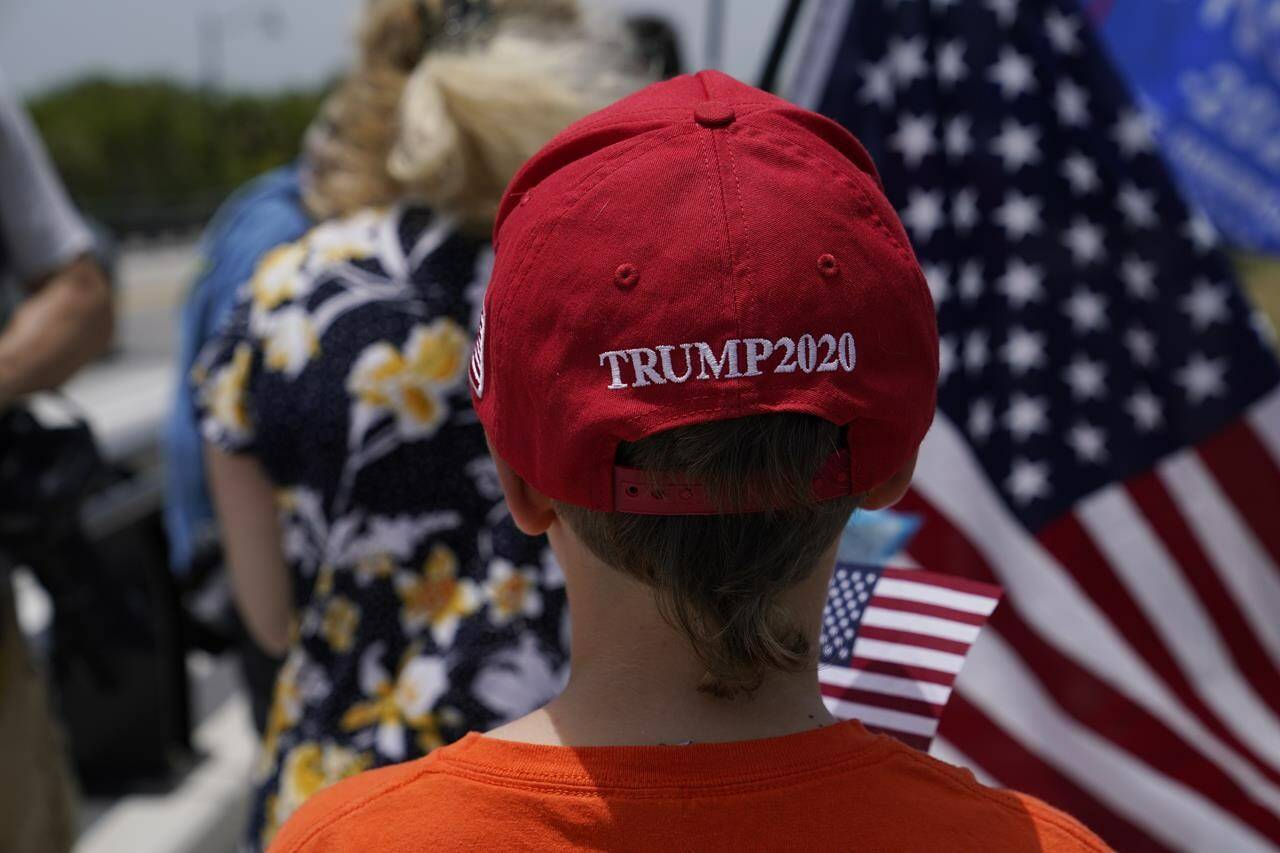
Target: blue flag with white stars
[1088,324]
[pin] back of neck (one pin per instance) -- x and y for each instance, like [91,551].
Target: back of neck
[635,678]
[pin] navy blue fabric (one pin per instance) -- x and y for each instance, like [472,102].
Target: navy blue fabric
[421,611]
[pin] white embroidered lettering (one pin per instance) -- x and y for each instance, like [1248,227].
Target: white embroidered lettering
[644,360]
[758,349]
[707,356]
[848,352]
[615,372]
[825,353]
[807,353]
[829,360]
[786,364]
[477,358]
[664,353]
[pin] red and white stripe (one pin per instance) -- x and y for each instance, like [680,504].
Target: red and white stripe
[1132,674]
[912,640]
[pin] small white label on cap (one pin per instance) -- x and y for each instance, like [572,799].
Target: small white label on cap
[639,367]
[477,359]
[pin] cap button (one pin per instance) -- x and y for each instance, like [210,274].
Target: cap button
[713,114]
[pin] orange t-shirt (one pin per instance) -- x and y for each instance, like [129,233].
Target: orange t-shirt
[838,788]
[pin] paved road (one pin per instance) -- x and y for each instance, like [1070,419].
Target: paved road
[151,281]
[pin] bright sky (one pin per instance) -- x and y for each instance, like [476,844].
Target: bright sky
[44,42]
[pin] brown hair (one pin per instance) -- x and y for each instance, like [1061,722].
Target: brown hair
[718,578]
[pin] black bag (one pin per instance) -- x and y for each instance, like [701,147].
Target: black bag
[117,661]
[45,474]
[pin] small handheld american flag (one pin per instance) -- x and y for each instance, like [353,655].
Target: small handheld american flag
[892,643]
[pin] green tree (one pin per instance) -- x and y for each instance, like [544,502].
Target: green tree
[152,153]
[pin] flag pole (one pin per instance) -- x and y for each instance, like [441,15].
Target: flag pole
[773,65]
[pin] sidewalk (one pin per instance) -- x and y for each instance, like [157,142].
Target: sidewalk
[206,808]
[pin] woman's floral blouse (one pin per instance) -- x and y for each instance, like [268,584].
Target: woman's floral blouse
[421,612]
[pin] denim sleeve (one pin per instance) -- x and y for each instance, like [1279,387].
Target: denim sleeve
[264,215]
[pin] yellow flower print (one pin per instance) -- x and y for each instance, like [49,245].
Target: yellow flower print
[324,581]
[511,592]
[402,708]
[374,567]
[341,762]
[271,820]
[291,341]
[436,353]
[347,239]
[308,769]
[436,597]
[287,499]
[303,772]
[375,375]
[286,709]
[225,396]
[410,382]
[278,278]
[341,617]
[420,410]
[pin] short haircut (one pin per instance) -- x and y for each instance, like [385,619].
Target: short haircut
[718,578]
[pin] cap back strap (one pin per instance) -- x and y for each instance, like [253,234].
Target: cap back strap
[642,493]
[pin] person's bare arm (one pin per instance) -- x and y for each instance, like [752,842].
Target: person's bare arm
[245,502]
[64,324]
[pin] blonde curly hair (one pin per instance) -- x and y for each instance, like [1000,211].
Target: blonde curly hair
[427,115]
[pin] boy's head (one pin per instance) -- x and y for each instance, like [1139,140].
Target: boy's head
[706,340]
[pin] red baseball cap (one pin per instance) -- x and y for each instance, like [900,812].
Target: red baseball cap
[699,251]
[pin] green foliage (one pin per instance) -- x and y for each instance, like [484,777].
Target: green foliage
[152,153]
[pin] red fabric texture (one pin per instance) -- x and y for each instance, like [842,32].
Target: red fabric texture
[699,211]
[838,788]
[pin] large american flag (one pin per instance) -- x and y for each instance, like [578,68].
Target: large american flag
[892,643]
[1107,446]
